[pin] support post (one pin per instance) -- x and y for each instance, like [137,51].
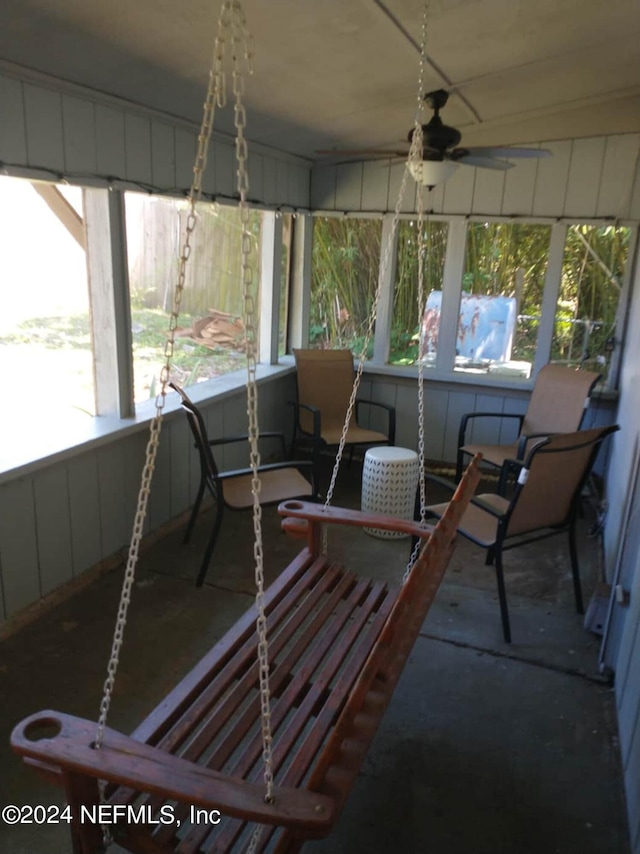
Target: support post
[382,334]
[451,290]
[300,291]
[270,273]
[108,276]
[550,297]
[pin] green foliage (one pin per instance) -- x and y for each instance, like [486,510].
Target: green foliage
[190,361]
[407,313]
[404,347]
[345,266]
[592,271]
[501,259]
[57,333]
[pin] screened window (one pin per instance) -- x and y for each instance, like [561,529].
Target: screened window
[45,333]
[408,315]
[501,300]
[211,336]
[585,321]
[344,278]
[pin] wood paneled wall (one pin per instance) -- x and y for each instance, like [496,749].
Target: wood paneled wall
[65,517]
[585,178]
[50,129]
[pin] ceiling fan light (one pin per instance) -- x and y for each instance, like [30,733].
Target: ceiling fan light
[432,172]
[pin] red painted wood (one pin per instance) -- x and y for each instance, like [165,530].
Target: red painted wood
[338,646]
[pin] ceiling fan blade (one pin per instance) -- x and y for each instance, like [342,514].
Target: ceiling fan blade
[365,152]
[505,151]
[483,162]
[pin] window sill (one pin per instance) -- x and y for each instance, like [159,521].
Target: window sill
[28,444]
[479,380]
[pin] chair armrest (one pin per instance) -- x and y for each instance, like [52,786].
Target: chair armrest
[466,418]
[315,412]
[522,443]
[448,484]
[391,415]
[244,437]
[442,481]
[125,761]
[283,464]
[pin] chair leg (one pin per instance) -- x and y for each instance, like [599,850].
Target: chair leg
[294,438]
[194,511]
[204,566]
[575,569]
[488,561]
[502,596]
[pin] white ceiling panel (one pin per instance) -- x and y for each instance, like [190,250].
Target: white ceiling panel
[343,73]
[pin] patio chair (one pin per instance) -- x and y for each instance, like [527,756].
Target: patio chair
[324,385]
[280,481]
[558,402]
[545,502]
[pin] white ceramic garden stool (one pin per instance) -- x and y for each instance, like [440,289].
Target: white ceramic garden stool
[389,483]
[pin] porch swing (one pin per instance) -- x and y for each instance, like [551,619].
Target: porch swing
[259,745]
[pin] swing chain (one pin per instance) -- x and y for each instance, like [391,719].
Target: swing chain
[414,156]
[216,96]
[239,33]
[367,338]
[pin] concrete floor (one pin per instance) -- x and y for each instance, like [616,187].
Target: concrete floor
[486,748]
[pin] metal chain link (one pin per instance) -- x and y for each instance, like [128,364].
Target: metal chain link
[216,96]
[414,156]
[417,134]
[240,34]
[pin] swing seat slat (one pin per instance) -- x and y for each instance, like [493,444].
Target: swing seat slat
[338,645]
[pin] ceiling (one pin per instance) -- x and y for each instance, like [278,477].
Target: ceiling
[343,73]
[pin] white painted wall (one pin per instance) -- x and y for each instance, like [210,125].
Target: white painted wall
[50,129]
[585,178]
[622,651]
[61,518]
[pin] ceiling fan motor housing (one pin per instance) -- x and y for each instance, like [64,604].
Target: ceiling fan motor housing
[438,136]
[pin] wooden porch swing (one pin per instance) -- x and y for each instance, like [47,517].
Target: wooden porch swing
[259,745]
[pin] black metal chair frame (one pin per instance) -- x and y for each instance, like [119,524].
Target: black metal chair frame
[503,543]
[212,479]
[515,463]
[316,437]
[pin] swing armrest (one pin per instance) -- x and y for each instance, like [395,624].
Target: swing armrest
[124,761]
[318,515]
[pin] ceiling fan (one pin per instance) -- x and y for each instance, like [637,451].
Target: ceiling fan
[440,154]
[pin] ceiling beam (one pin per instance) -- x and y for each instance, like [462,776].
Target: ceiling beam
[445,81]
[560,107]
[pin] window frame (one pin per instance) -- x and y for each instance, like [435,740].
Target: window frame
[443,371]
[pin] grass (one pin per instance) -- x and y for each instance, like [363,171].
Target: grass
[191,362]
